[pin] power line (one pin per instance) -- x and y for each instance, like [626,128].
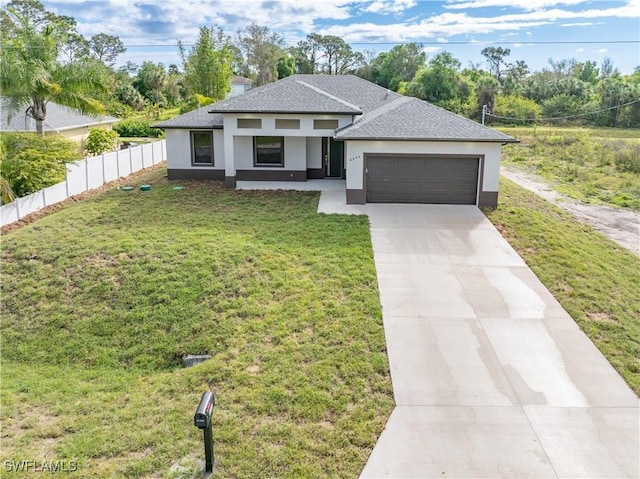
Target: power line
[444,44]
[562,117]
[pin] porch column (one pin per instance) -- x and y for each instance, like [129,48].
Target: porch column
[229,159]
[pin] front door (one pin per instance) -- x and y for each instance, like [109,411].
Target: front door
[332,158]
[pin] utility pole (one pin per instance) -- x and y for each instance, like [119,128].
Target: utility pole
[484,112]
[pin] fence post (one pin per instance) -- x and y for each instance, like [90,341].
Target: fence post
[86,174]
[104,175]
[130,160]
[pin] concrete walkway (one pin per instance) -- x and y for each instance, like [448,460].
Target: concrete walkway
[491,377]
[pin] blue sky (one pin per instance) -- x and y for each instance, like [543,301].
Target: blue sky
[462,27]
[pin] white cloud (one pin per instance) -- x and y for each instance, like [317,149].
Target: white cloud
[431,49]
[579,50]
[389,6]
[522,4]
[450,24]
[581,24]
[602,50]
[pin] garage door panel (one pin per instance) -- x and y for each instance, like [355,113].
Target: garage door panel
[422,179]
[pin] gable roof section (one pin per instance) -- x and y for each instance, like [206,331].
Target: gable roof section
[408,118]
[200,118]
[59,118]
[289,95]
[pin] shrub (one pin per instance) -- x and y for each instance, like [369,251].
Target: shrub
[101,140]
[33,162]
[628,159]
[136,128]
[512,106]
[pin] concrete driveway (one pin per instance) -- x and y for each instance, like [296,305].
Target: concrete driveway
[491,377]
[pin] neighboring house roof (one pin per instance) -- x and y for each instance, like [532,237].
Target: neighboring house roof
[238,80]
[409,118]
[200,118]
[59,118]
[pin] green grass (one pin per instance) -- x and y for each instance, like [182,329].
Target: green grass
[594,165]
[102,298]
[595,280]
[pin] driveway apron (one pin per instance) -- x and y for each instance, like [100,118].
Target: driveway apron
[491,377]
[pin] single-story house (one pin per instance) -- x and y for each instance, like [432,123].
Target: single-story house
[60,120]
[390,148]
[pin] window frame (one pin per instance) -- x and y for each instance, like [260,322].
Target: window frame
[192,133]
[267,165]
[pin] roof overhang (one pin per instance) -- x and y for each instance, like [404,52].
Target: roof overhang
[450,140]
[288,112]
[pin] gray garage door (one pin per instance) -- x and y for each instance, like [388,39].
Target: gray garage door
[420,179]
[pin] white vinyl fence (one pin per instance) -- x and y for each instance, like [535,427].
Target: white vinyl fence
[85,175]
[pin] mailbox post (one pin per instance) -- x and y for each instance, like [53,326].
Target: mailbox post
[202,420]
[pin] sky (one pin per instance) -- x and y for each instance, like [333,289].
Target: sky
[534,30]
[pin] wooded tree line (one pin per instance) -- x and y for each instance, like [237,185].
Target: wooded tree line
[44,59]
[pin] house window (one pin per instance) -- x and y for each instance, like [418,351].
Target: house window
[325,124]
[268,151]
[287,124]
[249,123]
[202,148]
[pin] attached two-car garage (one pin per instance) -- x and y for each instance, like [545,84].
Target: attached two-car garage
[422,179]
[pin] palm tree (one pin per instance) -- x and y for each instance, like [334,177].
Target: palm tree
[31,73]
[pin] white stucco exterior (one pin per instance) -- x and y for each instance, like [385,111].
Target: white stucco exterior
[179,150]
[302,146]
[355,151]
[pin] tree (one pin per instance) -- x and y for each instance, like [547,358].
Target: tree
[150,81]
[400,64]
[586,72]
[496,59]
[486,90]
[339,58]
[106,48]
[31,73]
[286,67]
[441,83]
[607,69]
[307,53]
[261,49]
[207,67]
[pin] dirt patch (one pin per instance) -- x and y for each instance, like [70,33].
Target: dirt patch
[621,225]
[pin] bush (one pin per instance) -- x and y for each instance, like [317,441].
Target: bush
[101,140]
[628,159]
[516,107]
[33,162]
[136,128]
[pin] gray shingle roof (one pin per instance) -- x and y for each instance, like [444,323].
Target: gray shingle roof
[289,95]
[383,114]
[200,118]
[59,118]
[408,118]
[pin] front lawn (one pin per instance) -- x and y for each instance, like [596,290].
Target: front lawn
[103,298]
[595,280]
